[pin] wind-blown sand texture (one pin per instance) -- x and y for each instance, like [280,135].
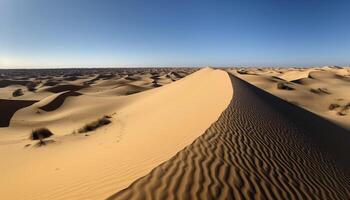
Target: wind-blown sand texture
[255,150]
[322,90]
[173,134]
[146,129]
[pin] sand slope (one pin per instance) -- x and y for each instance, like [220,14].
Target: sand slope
[261,147]
[322,90]
[147,128]
[9,107]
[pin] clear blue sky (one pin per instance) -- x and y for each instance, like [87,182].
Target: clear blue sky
[47,33]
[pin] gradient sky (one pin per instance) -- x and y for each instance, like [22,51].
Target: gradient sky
[86,33]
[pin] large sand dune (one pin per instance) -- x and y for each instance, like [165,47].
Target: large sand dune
[209,135]
[147,128]
[261,147]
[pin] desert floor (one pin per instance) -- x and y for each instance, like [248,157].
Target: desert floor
[176,133]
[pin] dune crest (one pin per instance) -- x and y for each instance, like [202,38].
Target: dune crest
[254,155]
[147,129]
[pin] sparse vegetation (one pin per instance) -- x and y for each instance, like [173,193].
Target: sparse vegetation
[31,86]
[342,109]
[320,91]
[284,86]
[333,106]
[95,124]
[131,92]
[17,93]
[40,134]
[155,84]
[241,71]
[345,110]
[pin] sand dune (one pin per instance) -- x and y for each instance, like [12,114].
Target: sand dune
[261,147]
[207,135]
[5,83]
[63,88]
[325,85]
[58,101]
[8,109]
[146,129]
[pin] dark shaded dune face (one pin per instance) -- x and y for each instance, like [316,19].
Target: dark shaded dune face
[177,75]
[106,76]
[133,78]
[58,101]
[5,83]
[51,83]
[100,77]
[343,78]
[155,77]
[275,78]
[8,109]
[325,75]
[62,88]
[71,78]
[261,147]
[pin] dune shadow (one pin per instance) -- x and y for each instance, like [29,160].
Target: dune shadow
[58,101]
[332,138]
[9,107]
[62,88]
[5,83]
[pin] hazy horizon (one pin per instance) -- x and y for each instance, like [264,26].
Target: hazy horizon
[43,34]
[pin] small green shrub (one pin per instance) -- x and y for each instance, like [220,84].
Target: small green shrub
[17,93]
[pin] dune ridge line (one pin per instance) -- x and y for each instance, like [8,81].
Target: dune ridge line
[255,150]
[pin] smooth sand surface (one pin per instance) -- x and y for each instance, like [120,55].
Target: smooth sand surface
[147,129]
[261,147]
[322,90]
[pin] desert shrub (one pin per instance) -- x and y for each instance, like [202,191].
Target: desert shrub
[333,106]
[156,84]
[320,91]
[17,93]
[131,92]
[95,124]
[31,86]
[40,134]
[242,71]
[347,106]
[344,110]
[284,86]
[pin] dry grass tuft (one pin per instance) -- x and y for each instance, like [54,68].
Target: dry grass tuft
[95,124]
[284,86]
[333,106]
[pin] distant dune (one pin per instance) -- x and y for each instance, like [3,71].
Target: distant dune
[322,90]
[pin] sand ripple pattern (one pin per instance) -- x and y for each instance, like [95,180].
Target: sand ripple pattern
[253,151]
